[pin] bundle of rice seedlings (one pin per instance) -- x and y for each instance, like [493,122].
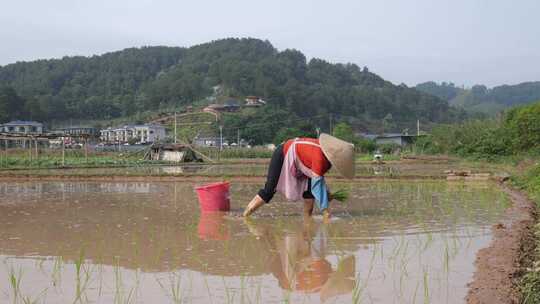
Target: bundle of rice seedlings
[341,195]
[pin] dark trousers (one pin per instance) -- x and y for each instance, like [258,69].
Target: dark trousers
[272,178]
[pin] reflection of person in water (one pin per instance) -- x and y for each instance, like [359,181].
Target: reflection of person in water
[299,261]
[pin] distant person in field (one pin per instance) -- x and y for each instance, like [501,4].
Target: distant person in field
[297,170]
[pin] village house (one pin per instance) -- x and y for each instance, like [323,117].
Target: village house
[390,138]
[172,153]
[229,106]
[81,131]
[396,139]
[254,101]
[22,127]
[211,141]
[147,133]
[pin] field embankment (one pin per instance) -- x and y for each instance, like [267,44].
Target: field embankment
[499,266]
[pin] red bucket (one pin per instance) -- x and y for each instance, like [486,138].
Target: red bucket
[214,197]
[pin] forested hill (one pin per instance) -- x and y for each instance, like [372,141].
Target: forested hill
[152,78]
[481,99]
[84,87]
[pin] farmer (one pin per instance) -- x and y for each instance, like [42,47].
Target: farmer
[297,170]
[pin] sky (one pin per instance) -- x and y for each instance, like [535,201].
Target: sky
[467,42]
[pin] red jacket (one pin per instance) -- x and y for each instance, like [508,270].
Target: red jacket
[311,156]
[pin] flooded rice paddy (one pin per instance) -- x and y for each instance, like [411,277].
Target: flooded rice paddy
[364,169]
[89,242]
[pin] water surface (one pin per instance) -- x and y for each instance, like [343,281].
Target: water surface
[89,242]
[250,169]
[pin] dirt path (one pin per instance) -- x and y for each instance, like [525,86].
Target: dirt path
[498,266]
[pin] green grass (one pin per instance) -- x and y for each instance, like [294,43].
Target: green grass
[20,159]
[530,283]
[369,157]
[237,153]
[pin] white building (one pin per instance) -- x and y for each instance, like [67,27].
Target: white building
[23,127]
[254,101]
[147,133]
[207,141]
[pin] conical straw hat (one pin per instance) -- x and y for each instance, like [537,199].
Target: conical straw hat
[340,154]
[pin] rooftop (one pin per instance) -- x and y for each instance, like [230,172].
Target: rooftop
[135,126]
[386,135]
[22,123]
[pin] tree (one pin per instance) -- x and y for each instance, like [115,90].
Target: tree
[136,80]
[344,131]
[388,123]
[11,104]
[287,133]
[523,126]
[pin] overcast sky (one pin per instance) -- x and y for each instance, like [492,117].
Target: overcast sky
[467,42]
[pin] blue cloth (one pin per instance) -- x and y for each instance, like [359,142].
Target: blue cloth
[319,191]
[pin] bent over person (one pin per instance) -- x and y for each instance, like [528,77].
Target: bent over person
[297,170]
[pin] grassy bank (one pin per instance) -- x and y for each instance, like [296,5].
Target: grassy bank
[21,159]
[529,181]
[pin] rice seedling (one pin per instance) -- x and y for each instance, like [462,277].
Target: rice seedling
[340,195]
[15,282]
[446,260]
[229,294]
[426,287]
[81,285]
[207,288]
[415,292]
[258,292]
[56,274]
[243,296]
[286,296]
[39,264]
[173,290]
[100,280]
[15,278]
[120,294]
[359,288]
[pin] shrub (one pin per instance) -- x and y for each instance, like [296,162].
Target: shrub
[389,148]
[365,145]
[523,125]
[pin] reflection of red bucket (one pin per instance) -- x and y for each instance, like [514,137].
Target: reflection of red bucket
[214,197]
[211,226]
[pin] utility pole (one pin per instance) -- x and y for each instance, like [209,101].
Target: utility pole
[220,138]
[331,123]
[318,131]
[63,152]
[86,149]
[175,127]
[36,146]
[417,127]
[238,137]
[29,141]
[6,143]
